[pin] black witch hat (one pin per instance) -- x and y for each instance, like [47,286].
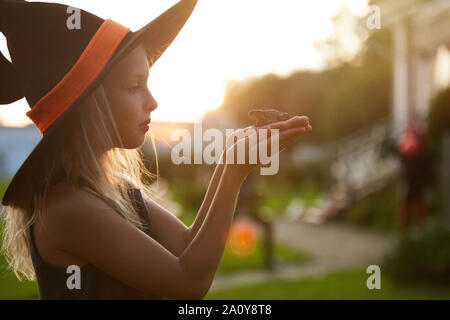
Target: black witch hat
[55,65]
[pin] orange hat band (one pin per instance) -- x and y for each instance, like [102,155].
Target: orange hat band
[91,62]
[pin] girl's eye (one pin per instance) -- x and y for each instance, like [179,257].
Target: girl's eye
[134,88]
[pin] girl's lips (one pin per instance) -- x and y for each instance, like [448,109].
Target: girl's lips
[144,125]
[144,128]
[145,122]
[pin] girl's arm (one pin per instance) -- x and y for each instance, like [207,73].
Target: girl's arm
[201,257]
[211,191]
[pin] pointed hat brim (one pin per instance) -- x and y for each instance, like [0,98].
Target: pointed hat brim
[155,37]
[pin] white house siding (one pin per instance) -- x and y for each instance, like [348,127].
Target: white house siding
[15,146]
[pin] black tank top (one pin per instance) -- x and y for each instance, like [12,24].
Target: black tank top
[95,284]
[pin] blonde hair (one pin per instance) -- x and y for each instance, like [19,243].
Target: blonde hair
[82,156]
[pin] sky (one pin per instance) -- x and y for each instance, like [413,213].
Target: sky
[223,40]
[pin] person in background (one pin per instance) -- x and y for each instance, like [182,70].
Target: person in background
[416,174]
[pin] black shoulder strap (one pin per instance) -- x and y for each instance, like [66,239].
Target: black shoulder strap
[143,212]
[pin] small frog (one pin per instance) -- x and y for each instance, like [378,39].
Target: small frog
[267,116]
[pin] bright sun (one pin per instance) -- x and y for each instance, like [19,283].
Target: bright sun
[222,41]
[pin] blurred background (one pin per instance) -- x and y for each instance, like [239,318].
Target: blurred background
[370,185]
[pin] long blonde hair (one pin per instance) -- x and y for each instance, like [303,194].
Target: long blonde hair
[108,176]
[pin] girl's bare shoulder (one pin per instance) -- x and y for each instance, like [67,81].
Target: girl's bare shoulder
[63,195]
[65,202]
[61,204]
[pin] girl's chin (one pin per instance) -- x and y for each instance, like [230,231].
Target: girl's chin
[136,143]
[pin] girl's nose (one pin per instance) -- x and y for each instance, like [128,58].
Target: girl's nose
[151,103]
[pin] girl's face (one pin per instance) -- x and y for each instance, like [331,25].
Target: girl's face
[131,101]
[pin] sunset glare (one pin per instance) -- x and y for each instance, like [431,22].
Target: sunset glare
[222,41]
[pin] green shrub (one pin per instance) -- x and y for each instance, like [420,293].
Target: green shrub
[422,256]
[272,199]
[188,193]
[378,210]
[439,120]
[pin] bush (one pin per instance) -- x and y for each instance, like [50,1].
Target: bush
[422,256]
[439,120]
[378,210]
[188,193]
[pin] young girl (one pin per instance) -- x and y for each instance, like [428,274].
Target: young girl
[84,224]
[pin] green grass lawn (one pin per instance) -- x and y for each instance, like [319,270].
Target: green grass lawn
[3,185]
[345,285]
[282,254]
[12,288]
[231,263]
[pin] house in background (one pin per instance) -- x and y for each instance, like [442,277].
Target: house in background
[16,143]
[421,58]
[421,35]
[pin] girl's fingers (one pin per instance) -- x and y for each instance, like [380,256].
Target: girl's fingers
[285,138]
[291,131]
[297,121]
[290,135]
